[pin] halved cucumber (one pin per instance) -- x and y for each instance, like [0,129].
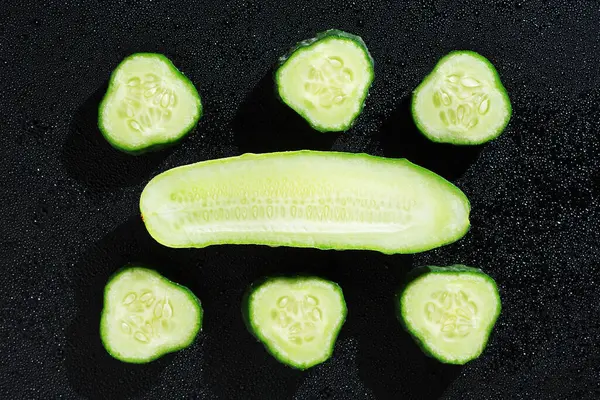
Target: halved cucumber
[462,101]
[326,79]
[450,311]
[146,316]
[149,104]
[297,319]
[325,200]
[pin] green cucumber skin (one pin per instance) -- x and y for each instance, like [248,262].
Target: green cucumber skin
[309,42]
[414,275]
[498,83]
[156,146]
[254,331]
[166,351]
[349,156]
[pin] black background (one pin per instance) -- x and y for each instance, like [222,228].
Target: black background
[70,217]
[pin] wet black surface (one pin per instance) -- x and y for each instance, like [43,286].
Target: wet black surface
[70,201]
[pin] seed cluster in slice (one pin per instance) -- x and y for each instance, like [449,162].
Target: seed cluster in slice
[450,311]
[145,315]
[149,104]
[326,79]
[297,319]
[462,101]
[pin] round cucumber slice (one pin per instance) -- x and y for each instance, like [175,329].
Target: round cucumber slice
[326,79]
[146,316]
[149,104]
[462,101]
[450,311]
[296,318]
[325,200]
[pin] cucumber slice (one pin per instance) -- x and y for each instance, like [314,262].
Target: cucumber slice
[326,79]
[305,198]
[297,319]
[450,311]
[462,101]
[149,104]
[146,316]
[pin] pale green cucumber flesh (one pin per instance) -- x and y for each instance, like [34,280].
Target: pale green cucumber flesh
[149,104]
[450,311]
[325,200]
[462,101]
[146,316]
[326,80]
[297,319]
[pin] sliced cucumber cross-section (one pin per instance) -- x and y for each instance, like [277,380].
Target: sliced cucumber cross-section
[462,101]
[325,200]
[146,316]
[450,311]
[326,79]
[297,319]
[149,104]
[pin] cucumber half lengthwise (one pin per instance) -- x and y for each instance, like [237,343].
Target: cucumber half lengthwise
[462,101]
[305,198]
[326,79]
[450,311]
[297,319]
[146,316]
[149,104]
